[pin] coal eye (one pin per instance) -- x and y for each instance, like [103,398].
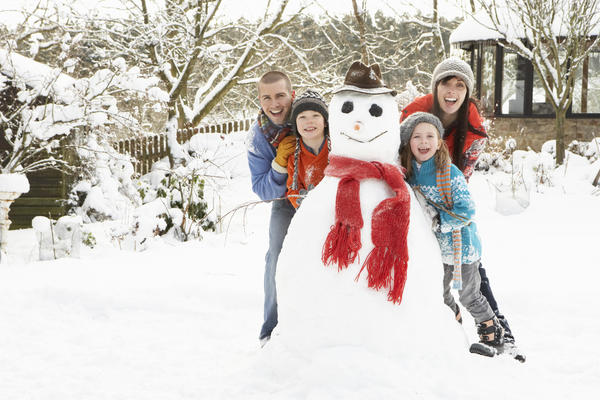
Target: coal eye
[375,110]
[347,107]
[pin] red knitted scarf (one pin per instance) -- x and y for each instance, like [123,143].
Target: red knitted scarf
[389,224]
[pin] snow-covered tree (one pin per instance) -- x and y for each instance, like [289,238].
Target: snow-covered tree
[556,36]
[198,57]
[42,107]
[57,89]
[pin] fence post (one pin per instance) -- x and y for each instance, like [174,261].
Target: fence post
[163,146]
[156,150]
[144,155]
[138,152]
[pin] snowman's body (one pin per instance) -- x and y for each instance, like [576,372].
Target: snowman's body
[337,309]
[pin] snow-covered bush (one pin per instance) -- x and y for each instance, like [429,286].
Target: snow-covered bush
[180,195]
[589,150]
[181,203]
[106,189]
[57,239]
[515,174]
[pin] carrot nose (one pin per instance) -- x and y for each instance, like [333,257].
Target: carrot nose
[356,127]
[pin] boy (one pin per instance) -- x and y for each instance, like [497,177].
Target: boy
[307,165]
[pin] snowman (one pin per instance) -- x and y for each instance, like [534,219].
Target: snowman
[360,265]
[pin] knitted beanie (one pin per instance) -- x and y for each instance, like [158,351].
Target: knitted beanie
[309,100]
[408,125]
[453,67]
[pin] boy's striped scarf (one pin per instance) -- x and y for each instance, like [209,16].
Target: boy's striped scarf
[297,158]
[273,133]
[387,263]
[444,187]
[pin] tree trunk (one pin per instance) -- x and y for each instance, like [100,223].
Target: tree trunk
[438,40]
[560,136]
[172,122]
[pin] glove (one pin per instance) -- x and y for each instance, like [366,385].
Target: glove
[284,150]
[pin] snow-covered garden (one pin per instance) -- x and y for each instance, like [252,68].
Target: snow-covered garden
[151,287]
[180,320]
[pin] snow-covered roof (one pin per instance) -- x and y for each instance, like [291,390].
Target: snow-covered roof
[42,78]
[478,28]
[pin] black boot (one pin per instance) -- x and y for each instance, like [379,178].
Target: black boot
[508,336]
[491,332]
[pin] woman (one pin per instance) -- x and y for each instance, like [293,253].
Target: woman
[451,87]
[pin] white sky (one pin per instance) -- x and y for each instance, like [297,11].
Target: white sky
[247,8]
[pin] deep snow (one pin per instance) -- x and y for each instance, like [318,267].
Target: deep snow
[181,320]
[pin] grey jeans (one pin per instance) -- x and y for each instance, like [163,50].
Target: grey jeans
[470,296]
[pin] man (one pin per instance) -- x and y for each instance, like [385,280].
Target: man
[269,148]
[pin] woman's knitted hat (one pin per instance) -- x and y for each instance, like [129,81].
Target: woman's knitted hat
[453,67]
[408,125]
[309,100]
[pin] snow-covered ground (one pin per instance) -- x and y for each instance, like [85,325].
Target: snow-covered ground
[181,320]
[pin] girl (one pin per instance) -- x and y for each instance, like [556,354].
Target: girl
[450,100]
[306,167]
[429,171]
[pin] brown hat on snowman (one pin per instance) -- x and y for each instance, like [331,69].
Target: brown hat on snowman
[364,79]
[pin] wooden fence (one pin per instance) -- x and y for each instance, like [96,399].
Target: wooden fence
[148,149]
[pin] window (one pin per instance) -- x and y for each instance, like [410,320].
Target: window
[541,103]
[586,95]
[513,84]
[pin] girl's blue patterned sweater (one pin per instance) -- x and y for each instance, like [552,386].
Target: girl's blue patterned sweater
[425,178]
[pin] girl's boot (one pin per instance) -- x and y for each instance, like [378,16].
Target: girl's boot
[491,332]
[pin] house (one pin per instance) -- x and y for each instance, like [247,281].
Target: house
[512,95]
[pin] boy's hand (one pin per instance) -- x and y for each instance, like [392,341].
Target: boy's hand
[284,150]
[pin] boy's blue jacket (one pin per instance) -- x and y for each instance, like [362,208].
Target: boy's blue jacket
[425,179]
[267,182]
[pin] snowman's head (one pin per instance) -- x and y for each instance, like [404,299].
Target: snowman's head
[364,126]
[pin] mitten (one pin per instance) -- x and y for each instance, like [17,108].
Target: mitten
[284,150]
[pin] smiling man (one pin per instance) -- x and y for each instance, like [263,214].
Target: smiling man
[269,147]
